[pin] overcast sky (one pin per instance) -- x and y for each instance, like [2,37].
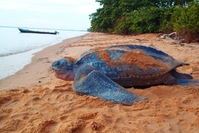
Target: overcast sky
[66,14]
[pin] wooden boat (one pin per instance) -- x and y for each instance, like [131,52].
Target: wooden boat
[37,32]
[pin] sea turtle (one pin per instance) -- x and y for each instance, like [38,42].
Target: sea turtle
[104,72]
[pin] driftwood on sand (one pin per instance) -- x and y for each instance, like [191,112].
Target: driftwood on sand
[173,36]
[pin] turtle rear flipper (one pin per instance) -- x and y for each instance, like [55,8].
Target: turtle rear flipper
[98,85]
[179,79]
[178,75]
[184,79]
[187,82]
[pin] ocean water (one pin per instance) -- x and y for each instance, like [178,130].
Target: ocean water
[17,49]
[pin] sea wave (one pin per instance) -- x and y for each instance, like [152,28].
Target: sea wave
[15,52]
[4,53]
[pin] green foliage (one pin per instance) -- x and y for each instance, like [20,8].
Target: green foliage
[146,20]
[103,20]
[151,19]
[186,19]
[165,22]
[143,16]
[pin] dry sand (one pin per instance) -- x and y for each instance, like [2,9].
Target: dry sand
[34,101]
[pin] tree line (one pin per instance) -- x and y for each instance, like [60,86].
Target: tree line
[147,16]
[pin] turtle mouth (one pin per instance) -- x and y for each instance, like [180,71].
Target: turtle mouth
[68,76]
[57,71]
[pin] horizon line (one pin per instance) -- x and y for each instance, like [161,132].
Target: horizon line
[41,28]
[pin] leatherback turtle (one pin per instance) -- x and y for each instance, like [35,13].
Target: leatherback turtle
[104,72]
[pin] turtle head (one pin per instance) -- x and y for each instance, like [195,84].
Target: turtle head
[64,68]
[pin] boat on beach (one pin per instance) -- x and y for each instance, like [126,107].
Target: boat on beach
[37,32]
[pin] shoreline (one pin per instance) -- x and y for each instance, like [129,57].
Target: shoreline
[13,65]
[37,59]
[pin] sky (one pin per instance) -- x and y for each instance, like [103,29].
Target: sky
[56,14]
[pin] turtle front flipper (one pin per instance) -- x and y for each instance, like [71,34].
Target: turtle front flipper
[99,85]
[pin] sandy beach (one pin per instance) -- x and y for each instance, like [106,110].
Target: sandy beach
[34,101]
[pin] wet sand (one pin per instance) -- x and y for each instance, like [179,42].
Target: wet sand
[34,101]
